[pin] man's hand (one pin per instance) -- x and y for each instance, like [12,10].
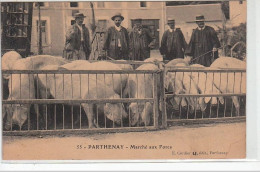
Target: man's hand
[151,45]
[164,57]
[187,59]
[214,49]
[102,53]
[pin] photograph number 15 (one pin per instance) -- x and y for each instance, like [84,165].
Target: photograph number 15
[129,80]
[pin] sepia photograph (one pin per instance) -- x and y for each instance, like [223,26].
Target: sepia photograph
[123,80]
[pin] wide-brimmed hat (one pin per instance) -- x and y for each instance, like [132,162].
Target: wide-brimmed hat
[170,20]
[117,15]
[200,18]
[79,15]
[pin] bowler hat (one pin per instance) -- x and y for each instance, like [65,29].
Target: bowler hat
[170,20]
[200,18]
[78,15]
[117,15]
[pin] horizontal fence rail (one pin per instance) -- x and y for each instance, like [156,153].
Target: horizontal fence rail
[195,93]
[44,101]
[75,101]
[78,71]
[57,101]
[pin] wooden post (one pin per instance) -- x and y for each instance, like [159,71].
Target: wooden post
[39,30]
[93,25]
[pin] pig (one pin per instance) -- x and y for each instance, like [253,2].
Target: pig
[177,61]
[124,65]
[230,82]
[21,86]
[140,86]
[88,86]
[116,81]
[8,60]
[228,62]
[154,59]
[173,83]
[182,83]
[205,85]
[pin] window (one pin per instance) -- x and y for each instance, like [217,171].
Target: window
[240,2]
[44,31]
[39,3]
[100,4]
[143,4]
[74,4]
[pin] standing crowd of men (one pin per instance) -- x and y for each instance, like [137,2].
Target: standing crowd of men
[136,45]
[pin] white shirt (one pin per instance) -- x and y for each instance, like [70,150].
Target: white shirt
[171,30]
[81,32]
[118,29]
[201,28]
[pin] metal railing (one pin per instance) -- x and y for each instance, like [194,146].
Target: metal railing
[53,101]
[203,93]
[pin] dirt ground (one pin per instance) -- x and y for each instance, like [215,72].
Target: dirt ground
[177,142]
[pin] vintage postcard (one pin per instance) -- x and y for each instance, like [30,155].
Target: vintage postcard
[123,80]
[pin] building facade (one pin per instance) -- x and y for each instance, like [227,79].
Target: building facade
[56,17]
[185,16]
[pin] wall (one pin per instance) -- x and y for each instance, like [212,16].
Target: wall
[55,31]
[237,12]
[185,16]
[59,15]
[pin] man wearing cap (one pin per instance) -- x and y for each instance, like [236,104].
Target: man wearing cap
[116,41]
[173,43]
[141,42]
[204,44]
[77,45]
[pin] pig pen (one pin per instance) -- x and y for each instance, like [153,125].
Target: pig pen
[64,106]
[51,115]
[205,95]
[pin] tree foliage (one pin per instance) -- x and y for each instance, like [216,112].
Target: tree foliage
[235,35]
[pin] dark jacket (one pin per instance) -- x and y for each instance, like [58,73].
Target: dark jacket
[140,44]
[173,44]
[202,42]
[111,44]
[73,39]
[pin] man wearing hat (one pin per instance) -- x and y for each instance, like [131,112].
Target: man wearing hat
[116,41]
[173,43]
[141,42]
[77,45]
[204,44]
